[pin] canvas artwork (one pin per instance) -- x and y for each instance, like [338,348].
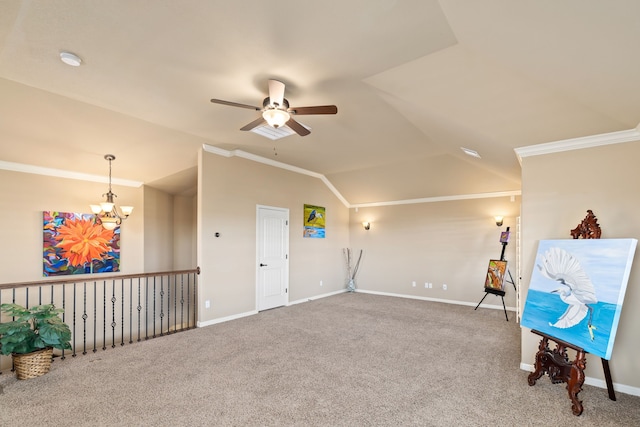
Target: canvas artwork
[74,244]
[314,221]
[495,275]
[577,289]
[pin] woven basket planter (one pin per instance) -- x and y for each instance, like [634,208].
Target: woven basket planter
[32,365]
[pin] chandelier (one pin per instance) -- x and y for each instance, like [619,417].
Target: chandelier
[106,212]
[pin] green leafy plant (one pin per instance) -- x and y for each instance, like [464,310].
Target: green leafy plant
[33,329]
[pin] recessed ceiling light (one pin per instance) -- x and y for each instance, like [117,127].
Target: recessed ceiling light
[70,59]
[470,152]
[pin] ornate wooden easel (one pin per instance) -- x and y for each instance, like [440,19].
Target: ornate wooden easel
[499,292]
[555,361]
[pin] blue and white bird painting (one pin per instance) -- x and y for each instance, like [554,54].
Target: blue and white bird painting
[577,289]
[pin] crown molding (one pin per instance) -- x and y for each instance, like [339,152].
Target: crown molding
[259,159]
[239,153]
[440,199]
[578,143]
[59,173]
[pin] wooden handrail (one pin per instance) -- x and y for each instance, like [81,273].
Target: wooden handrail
[91,278]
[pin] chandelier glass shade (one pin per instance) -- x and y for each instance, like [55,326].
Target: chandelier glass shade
[106,212]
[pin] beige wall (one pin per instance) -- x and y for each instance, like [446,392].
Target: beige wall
[184,232]
[557,191]
[448,242]
[158,230]
[170,231]
[23,198]
[229,190]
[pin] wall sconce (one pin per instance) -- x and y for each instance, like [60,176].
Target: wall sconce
[366,225]
[499,220]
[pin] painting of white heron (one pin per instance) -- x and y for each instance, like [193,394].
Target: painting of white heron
[577,289]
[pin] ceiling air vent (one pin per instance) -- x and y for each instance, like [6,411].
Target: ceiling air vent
[275,133]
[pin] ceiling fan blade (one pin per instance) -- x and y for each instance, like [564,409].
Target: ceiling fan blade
[297,127]
[320,109]
[276,92]
[235,104]
[254,124]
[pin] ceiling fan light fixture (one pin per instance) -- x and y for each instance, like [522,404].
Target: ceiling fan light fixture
[276,117]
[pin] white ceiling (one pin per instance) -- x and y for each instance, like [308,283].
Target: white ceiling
[414,80]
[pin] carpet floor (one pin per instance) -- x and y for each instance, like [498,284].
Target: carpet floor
[352,359]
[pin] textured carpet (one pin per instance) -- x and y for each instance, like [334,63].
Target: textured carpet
[348,360]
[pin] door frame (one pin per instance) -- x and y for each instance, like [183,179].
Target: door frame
[257,259]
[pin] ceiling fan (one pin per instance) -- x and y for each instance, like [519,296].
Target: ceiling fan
[276,111]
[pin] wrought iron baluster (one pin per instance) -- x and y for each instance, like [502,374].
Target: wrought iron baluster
[146,308]
[113,313]
[73,335]
[169,304]
[104,314]
[154,306]
[121,312]
[95,315]
[84,319]
[130,311]
[139,309]
[161,304]
[181,303]
[64,307]
[189,302]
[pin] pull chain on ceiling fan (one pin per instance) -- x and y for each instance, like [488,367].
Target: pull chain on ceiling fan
[276,111]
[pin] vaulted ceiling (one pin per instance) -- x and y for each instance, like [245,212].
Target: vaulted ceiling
[414,81]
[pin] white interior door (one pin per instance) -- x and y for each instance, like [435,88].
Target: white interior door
[272,257]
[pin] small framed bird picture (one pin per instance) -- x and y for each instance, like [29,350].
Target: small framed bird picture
[314,221]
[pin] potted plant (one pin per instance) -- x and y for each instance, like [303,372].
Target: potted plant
[31,337]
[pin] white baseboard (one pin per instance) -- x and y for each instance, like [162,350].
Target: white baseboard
[251,313]
[596,382]
[315,297]
[446,301]
[226,319]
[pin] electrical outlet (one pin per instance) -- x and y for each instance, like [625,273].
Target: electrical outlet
[207,304]
[413,283]
[320,282]
[444,286]
[426,285]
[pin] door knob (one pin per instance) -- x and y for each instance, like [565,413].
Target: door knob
[263,265]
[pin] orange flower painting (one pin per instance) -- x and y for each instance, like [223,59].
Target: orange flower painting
[75,244]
